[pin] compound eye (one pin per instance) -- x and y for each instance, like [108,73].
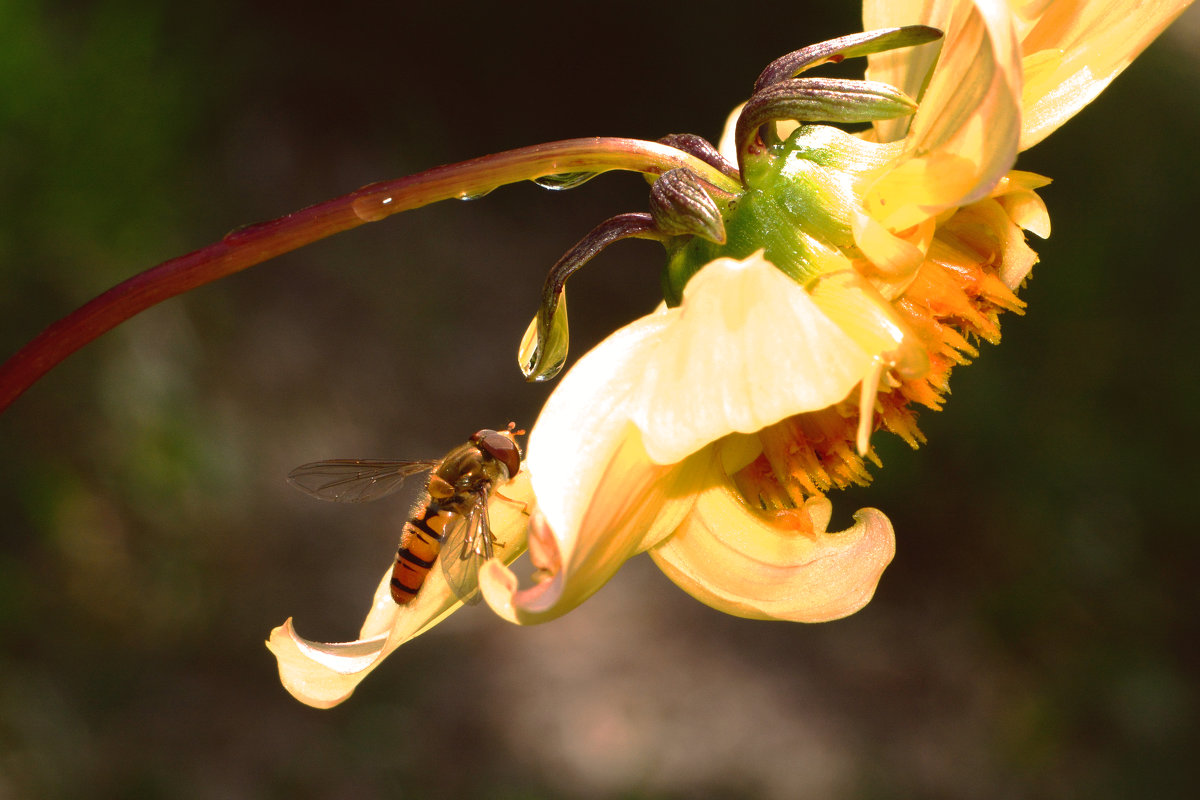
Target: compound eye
[501,447]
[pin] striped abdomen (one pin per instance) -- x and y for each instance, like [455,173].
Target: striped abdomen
[419,547]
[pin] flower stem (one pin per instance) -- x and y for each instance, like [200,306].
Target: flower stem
[257,243]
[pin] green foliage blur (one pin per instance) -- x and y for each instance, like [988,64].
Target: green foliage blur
[1035,637]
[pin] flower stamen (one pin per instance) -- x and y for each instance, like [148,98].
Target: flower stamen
[866,406]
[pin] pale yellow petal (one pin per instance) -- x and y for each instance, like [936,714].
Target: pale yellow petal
[893,257]
[746,348]
[324,674]
[635,505]
[1075,49]
[906,69]
[750,565]
[585,423]
[727,144]
[1026,208]
[862,313]
[987,226]
[964,136]
[600,497]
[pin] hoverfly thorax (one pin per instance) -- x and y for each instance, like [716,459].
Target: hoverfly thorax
[459,473]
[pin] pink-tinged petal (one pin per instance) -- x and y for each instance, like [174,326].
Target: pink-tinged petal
[747,347]
[751,565]
[600,497]
[324,674]
[585,424]
[636,504]
[964,136]
[1074,50]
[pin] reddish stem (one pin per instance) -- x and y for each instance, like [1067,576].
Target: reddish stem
[254,244]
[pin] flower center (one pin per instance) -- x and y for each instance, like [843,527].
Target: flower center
[804,456]
[976,260]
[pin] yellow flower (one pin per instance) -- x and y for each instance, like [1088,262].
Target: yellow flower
[709,432]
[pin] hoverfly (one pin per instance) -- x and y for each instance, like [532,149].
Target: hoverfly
[453,515]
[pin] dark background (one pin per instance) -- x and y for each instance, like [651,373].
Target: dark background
[1035,637]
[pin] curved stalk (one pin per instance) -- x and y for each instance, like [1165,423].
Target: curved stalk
[260,242]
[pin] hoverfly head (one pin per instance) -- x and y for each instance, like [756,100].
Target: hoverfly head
[502,446]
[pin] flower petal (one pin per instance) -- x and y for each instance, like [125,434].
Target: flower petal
[747,347]
[1015,192]
[894,258]
[964,136]
[1074,50]
[323,675]
[863,314]
[908,69]
[585,421]
[600,497]
[727,144]
[744,563]
[636,504]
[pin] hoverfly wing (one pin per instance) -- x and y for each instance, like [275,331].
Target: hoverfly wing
[346,480]
[466,545]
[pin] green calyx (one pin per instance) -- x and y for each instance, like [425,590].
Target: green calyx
[799,204]
[797,199]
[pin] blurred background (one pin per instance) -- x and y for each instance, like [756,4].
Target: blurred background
[1036,635]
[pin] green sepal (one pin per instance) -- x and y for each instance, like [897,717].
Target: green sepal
[681,207]
[852,46]
[802,197]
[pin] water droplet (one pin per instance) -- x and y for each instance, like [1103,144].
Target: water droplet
[473,195]
[541,360]
[561,181]
[372,209]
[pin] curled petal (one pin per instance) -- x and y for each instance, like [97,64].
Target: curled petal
[1015,192]
[747,347]
[585,422]
[750,565]
[987,229]
[600,497]
[1074,50]
[323,675]
[617,515]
